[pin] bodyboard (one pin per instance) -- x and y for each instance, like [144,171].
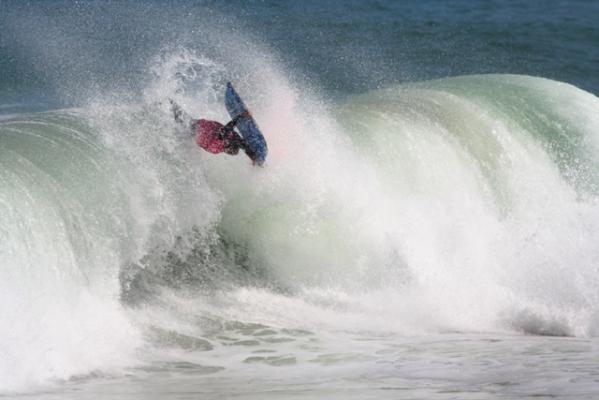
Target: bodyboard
[254,140]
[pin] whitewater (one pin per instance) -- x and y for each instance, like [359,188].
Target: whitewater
[430,239]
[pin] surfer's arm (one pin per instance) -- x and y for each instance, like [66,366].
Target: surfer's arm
[180,116]
[225,130]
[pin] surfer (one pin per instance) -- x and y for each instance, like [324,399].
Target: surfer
[213,136]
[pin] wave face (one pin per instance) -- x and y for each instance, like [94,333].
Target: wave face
[466,204]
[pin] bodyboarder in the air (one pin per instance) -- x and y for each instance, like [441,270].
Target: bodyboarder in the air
[212,136]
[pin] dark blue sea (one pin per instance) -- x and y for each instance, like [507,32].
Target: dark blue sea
[425,225]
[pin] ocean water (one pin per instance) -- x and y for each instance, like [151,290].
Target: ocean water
[425,227]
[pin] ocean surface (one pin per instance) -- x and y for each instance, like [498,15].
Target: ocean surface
[426,225]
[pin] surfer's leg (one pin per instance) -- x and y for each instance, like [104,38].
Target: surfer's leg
[250,154]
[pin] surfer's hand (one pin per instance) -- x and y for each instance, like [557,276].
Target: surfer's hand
[179,115]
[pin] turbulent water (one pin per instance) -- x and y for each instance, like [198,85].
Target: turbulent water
[415,233]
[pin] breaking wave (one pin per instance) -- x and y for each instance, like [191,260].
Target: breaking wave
[464,204]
